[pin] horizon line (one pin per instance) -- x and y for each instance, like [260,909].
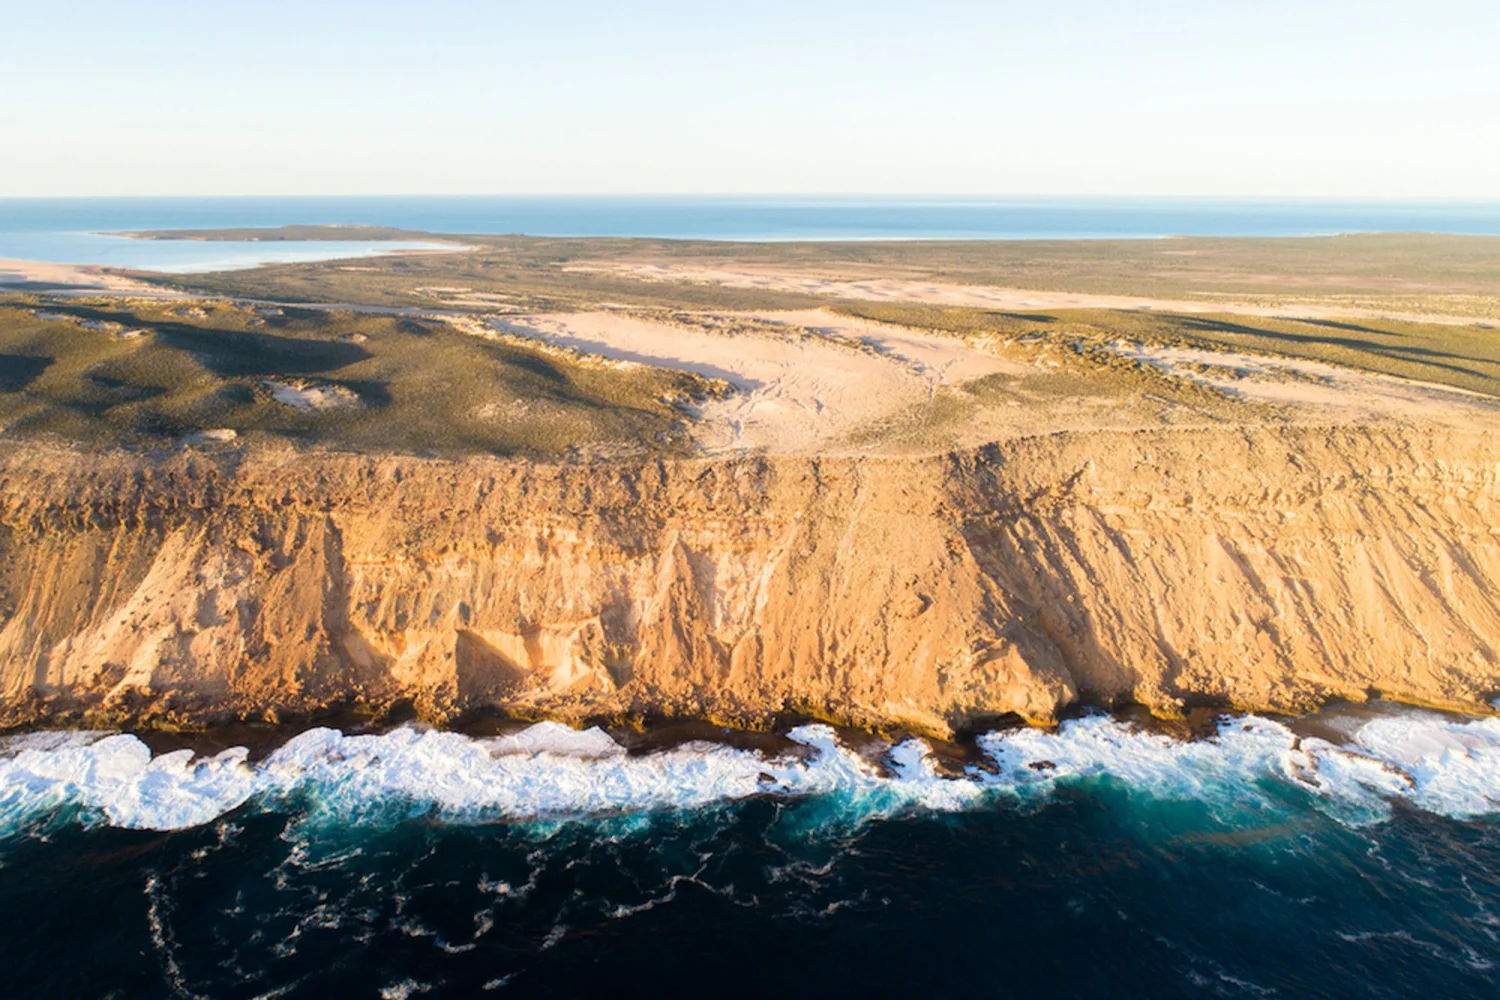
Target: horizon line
[768,195]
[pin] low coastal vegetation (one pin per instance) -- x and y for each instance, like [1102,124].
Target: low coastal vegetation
[1410,273]
[107,373]
[415,353]
[1463,356]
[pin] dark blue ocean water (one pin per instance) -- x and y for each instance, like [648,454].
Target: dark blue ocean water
[1359,859]
[60,229]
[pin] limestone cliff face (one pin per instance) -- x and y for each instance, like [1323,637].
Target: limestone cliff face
[1266,568]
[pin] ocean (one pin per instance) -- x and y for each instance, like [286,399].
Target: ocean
[72,230]
[1353,854]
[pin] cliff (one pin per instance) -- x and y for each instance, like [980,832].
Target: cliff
[1269,568]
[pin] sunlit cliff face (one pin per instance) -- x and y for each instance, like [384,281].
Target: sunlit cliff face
[1259,568]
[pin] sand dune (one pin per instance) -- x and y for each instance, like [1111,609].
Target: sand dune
[803,381]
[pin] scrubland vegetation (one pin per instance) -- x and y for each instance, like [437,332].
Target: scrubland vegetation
[143,375]
[1464,356]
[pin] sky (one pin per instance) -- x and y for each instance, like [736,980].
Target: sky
[1361,98]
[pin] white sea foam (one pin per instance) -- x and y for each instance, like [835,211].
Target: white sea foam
[550,773]
[1449,767]
[118,779]
[1244,750]
[554,737]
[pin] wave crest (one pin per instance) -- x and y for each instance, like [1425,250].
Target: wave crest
[549,773]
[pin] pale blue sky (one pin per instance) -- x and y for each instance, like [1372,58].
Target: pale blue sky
[1271,97]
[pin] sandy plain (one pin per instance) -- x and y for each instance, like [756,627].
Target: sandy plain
[983,296]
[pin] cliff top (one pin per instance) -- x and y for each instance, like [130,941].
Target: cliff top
[560,349]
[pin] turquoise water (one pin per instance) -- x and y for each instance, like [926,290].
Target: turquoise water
[66,230]
[1355,855]
[190,256]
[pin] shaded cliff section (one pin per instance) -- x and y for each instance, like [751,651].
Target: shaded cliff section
[1273,569]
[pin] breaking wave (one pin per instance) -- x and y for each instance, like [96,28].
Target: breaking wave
[550,774]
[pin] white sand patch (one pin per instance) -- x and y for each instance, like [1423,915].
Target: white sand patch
[458,296]
[115,329]
[1307,384]
[312,397]
[803,381]
[77,278]
[218,435]
[949,360]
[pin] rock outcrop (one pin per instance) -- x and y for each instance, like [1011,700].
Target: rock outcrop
[1268,568]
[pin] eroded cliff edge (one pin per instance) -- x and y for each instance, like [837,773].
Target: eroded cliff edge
[1269,568]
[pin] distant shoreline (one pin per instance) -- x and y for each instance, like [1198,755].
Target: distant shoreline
[758,219]
[277,234]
